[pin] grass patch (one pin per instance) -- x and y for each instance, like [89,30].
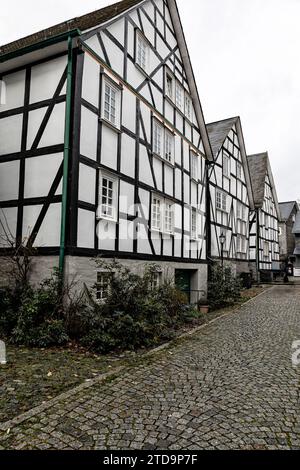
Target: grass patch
[33,376]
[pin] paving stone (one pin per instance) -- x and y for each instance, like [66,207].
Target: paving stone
[229,386]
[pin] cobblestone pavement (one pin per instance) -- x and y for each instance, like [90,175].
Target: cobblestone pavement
[230,386]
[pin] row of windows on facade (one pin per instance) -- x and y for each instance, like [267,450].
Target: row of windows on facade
[266,250]
[174,90]
[162,210]
[163,138]
[222,205]
[227,167]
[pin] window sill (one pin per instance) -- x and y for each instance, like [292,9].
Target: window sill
[143,71]
[162,159]
[161,232]
[107,219]
[110,125]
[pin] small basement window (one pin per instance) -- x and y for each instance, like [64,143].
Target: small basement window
[103,285]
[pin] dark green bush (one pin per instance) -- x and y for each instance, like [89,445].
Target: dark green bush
[36,316]
[223,287]
[134,314]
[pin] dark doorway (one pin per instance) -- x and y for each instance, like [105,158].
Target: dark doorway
[183,281]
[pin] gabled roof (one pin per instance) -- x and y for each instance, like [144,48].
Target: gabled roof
[217,133]
[296,228]
[99,17]
[259,166]
[286,208]
[82,23]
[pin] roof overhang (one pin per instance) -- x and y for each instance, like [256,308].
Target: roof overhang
[240,134]
[269,169]
[40,50]
[190,75]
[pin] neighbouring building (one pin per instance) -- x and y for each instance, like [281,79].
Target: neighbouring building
[264,221]
[296,232]
[288,212]
[230,195]
[103,146]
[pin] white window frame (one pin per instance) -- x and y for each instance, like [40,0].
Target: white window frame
[221,201]
[195,224]
[156,280]
[169,147]
[266,250]
[267,220]
[194,165]
[244,245]
[170,93]
[156,215]
[103,285]
[239,170]
[188,107]
[179,96]
[226,165]
[111,111]
[168,213]
[102,213]
[162,224]
[239,210]
[238,243]
[158,144]
[142,52]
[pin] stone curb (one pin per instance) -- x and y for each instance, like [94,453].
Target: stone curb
[6,426]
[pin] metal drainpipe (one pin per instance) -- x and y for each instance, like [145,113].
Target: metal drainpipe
[66,158]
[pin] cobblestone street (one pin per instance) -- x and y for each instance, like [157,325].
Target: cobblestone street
[229,386]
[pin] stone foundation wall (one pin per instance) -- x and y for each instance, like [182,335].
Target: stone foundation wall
[84,270]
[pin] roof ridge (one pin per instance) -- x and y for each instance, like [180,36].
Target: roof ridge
[224,120]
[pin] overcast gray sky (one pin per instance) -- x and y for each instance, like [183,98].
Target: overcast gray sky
[245,55]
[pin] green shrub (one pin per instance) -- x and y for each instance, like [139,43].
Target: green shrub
[134,314]
[36,317]
[223,287]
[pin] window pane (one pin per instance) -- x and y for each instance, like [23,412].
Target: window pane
[169,218]
[157,138]
[169,146]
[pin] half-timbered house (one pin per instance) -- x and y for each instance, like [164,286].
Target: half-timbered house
[230,195]
[264,221]
[288,212]
[296,232]
[103,145]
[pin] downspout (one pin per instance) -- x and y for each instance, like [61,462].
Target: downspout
[208,219]
[257,245]
[66,158]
